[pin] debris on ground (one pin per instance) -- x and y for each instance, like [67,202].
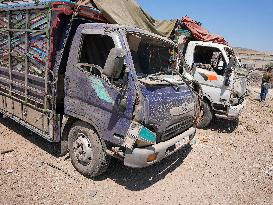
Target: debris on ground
[228,165]
[9,171]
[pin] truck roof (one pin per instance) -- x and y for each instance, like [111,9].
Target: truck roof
[129,29]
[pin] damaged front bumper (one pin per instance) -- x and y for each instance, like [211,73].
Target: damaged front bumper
[233,112]
[141,157]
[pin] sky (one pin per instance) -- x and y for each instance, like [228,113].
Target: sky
[243,23]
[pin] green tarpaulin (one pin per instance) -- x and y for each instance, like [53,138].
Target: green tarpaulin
[128,12]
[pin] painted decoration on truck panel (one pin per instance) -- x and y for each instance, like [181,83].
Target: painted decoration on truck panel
[31,41]
[9,4]
[146,135]
[100,90]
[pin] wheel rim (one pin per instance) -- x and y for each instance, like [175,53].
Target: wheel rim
[82,149]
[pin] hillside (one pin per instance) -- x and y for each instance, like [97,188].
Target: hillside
[254,59]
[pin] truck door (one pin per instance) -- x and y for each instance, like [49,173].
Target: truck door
[106,103]
[240,75]
[210,71]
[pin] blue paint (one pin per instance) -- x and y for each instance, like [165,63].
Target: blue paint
[100,90]
[147,135]
[160,99]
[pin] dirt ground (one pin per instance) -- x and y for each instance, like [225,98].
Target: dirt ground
[231,163]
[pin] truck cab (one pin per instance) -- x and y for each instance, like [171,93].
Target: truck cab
[119,82]
[221,77]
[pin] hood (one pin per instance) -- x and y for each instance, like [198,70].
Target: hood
[167,109]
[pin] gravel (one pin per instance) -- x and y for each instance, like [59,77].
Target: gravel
[231,163]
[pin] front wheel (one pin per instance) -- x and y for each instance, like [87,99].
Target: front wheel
[87,150]
[206,115]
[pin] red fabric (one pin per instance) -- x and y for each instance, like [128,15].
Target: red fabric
[201,34]
[60,8]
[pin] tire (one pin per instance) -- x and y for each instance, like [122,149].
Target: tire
[206,116]
[87,150]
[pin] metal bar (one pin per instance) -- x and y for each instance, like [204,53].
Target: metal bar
[26,56]
[29,104]
[45,135]
[22,30]
[4,72]
[23,86]
[47,64]
[9,45]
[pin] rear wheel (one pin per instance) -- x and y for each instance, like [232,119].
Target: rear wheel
[206,115]
[87,150]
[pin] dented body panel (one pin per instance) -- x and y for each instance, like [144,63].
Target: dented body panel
[95,99]
[137,158]
[154,113]
[168,106]
[162,106]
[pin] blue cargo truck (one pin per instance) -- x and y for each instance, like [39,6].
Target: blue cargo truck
[101,90]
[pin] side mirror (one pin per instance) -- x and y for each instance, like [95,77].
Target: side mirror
[114,63]
[228,71]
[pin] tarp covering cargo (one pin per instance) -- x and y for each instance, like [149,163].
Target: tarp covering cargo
[201,34]
[128,12]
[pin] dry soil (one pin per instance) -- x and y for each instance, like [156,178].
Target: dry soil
[231,163]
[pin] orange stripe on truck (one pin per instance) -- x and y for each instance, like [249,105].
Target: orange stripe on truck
[211,77]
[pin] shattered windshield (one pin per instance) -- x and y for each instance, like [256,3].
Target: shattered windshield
[151,55]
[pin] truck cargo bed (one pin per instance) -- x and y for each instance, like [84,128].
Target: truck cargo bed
[24,79]
[32,39]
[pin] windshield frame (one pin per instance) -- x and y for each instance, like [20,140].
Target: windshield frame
[153,45]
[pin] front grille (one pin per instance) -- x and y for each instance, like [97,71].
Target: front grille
[176,129]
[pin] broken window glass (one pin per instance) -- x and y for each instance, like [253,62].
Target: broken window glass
[95,49]
[150,55]
[210,58]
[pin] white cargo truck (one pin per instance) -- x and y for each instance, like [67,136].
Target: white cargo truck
[216,68]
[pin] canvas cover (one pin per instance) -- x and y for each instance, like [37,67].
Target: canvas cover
[201,34]
[128,12]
